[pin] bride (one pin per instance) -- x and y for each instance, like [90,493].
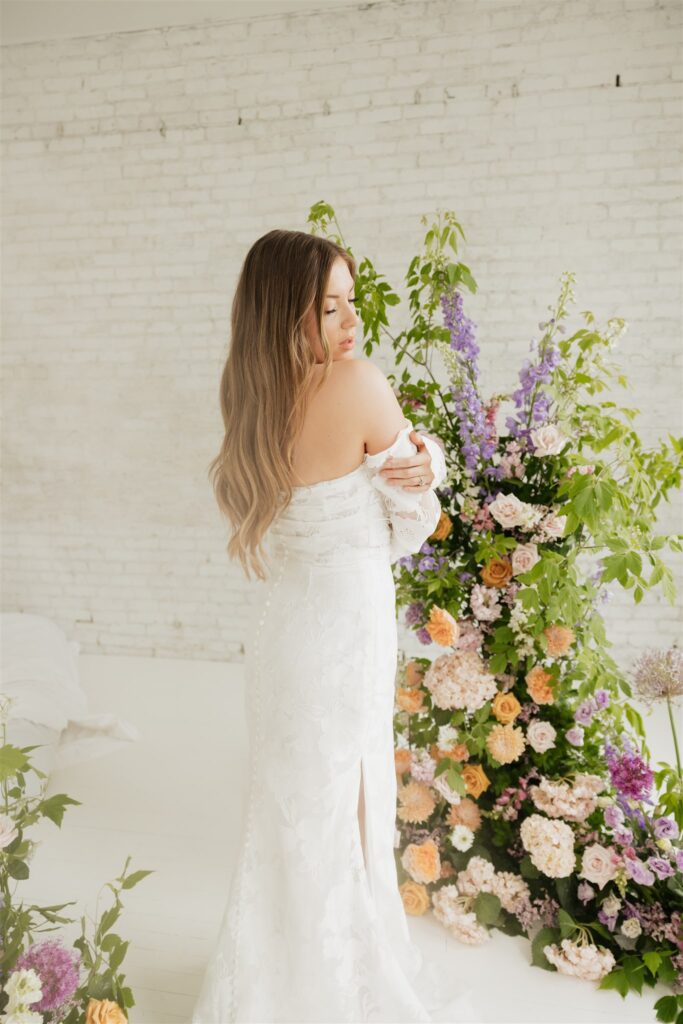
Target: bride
[325,484]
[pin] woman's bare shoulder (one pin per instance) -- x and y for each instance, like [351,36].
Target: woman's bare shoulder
[374,406]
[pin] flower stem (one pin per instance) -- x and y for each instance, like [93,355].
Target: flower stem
[673,732]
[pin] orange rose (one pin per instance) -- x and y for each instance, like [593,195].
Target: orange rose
[475,779]
[402,760]
[538,685]
[422,861]
[104,1011]
[443,527]
[497,573]
[410,700]
[442,627]
[558,640]
[414,674]
[415,898]
[505,707]
[457,753]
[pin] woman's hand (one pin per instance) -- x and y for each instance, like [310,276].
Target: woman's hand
[409,471]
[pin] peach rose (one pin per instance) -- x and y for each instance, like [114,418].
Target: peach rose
[402,760]
[505,707]
[497,573]
[538,685]
[104,1011]
[443,527]
[414,674]
[524,558]
[442,627]
[422,861]
[457,753]
[410,700]
[415,898]
[475,779]
[558,639]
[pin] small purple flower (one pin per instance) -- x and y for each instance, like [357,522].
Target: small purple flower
[638,871]
[614,816]
[623,836]
[415,612]
[584,713]
[661,867]
[57,968]
[679,859]
[665,828]
[607,919]
[574,736]
[601,698]
[630,775]
[585,892]
[423,636]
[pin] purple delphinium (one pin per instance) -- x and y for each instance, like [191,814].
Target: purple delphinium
[630,775]
[532,403]
[477,442]
[57,968]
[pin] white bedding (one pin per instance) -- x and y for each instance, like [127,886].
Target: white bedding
[39,671]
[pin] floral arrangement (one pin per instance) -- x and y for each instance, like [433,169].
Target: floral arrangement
[46,981]
[526,797]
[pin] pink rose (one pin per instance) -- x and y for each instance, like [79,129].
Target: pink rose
[540,735]
[599,864]
[548,440]
[509,511]
[524,558]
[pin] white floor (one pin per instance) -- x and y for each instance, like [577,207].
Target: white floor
[173,801]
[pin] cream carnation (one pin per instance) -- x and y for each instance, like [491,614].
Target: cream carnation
[449,910]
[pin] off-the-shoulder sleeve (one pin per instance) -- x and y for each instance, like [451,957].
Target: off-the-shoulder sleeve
[413,517]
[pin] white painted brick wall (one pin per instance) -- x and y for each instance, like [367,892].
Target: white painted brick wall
[140,166]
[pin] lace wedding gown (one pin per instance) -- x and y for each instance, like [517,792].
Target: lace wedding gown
[310,932]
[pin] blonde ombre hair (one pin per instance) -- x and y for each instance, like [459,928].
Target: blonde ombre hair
[265,384]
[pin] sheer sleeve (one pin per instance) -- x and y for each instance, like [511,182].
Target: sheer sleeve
[412,517]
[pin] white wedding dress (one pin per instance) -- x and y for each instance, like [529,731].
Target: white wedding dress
[309,932]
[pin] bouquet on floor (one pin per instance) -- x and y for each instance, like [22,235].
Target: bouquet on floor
[527,801]
[49,981]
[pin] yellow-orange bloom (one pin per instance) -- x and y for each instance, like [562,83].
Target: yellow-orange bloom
[443,527]
[538,685]
[475,779]
[442,627]
[505,743]
[416,802]
[459,752]
[465,813]
[505,707]
[422,861]
[414,674]
[410,700]
[402,760]
[415,898]
[497,573]
[104,1011]
[558,639]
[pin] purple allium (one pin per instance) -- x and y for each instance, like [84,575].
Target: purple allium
[57,968]
[661,867]
[574,736]
[665,828]
[414,613]
[658,675]
[630,775]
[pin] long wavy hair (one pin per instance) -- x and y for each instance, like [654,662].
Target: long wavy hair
[265,386]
